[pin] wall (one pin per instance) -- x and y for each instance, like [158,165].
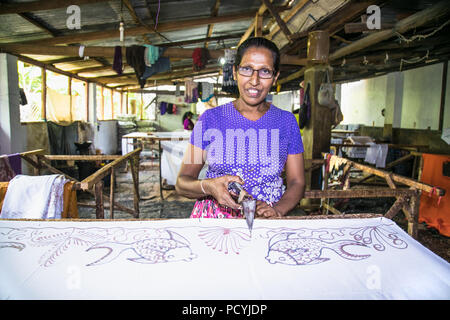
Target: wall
[411,98]
[362,101]
[422,97]
[12,133]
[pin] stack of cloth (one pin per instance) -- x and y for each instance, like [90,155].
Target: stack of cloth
[229,84]
[191,94]
[376,154]
[39,197]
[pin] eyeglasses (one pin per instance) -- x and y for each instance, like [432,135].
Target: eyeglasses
[263,73]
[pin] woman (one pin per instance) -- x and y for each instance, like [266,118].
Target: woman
[248,141]
[187,122]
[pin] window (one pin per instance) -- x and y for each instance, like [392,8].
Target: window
[30,80]
[79,100]
[116,103]
[99,99]
[58,99]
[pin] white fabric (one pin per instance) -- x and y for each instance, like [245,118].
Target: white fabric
[34,197]
[205,259]
[127,141]
[376,154]
[446,135]
[172,158]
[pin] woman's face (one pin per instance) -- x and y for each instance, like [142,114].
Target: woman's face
[253,90]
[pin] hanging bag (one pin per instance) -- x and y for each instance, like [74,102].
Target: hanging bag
[305,109]
[325,95]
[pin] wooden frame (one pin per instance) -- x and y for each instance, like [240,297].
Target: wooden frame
[407,199]
[94,183]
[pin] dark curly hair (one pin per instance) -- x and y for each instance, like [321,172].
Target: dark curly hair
[185,115]
[258,42]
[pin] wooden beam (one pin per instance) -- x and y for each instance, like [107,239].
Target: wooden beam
[281,24]
[81,37]
[258,25]
[159,76]
[208,39]
[251,28]
[415,20]
[288,17]
[93,179]
[214,12]
[411,22]
[109,52]
[10,8]
[359,193]
[362,27]
[94,51]
[397,178]
[27,16]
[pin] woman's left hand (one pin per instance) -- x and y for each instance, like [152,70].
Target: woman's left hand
[266,211]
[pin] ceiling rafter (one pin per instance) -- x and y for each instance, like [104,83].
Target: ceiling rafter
[416,20]
[137,31]
[214,13]
[281,24]
[11,8]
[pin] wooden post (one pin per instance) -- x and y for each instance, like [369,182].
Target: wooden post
[111,194]
[258,25]
[413,220]
[160,177]
[317,134]
[99,209]
[134,164]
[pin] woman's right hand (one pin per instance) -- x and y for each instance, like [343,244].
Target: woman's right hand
[218,188]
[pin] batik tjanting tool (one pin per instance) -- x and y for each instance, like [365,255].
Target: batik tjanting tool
[249,206]
[237,189]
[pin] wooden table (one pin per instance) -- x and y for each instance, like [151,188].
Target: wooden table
[158,136]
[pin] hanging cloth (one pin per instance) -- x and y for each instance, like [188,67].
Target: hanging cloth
[305,109]
[200,58]
[135,59]
[117,63]
[162,65]
[207,91]
[163,107]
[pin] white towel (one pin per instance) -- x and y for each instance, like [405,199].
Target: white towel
[376,154]
[34,197]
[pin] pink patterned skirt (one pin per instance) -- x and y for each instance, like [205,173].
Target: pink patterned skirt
[208,207]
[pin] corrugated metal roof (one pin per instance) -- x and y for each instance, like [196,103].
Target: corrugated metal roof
[104,16]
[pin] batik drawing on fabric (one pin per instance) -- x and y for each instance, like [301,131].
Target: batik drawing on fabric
[149,245]
[300,246]
[305,246]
